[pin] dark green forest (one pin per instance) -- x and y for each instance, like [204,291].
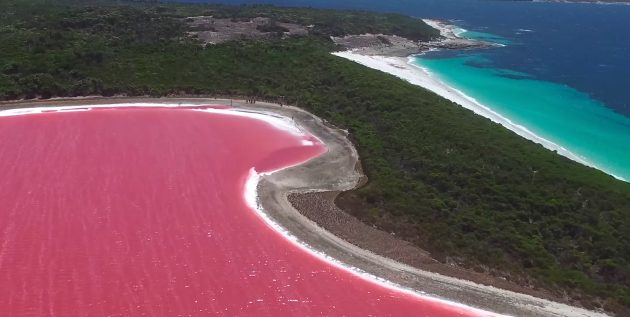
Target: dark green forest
[452,182]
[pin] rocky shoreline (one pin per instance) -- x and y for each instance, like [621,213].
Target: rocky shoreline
[396,46]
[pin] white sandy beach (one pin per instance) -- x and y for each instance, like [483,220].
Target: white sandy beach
[404,68]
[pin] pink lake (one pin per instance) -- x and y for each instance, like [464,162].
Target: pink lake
[141,212]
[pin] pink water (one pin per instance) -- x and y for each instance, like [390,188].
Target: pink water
[140,212]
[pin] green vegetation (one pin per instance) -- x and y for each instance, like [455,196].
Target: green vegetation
[324,23]
[448,180]
[272,27]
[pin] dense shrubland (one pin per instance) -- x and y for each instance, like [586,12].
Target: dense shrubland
[450,181]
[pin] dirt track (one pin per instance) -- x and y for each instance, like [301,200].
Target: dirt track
[336,171]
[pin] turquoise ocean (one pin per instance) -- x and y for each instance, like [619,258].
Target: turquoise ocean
[561,114]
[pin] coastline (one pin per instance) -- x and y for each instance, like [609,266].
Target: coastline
[448,31]
[392,45]
[405,69]
[336,170]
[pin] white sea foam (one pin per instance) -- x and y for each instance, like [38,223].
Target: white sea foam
[446,30]
[438,26]
[420,76]
[459,31]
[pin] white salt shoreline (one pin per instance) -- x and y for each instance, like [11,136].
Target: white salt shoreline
[253,202]
[277,121]
[405,69]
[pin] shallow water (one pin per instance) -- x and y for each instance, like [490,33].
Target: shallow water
[553,111]
[141,212]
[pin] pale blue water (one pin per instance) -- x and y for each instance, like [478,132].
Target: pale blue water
[564,72]
[554,111]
